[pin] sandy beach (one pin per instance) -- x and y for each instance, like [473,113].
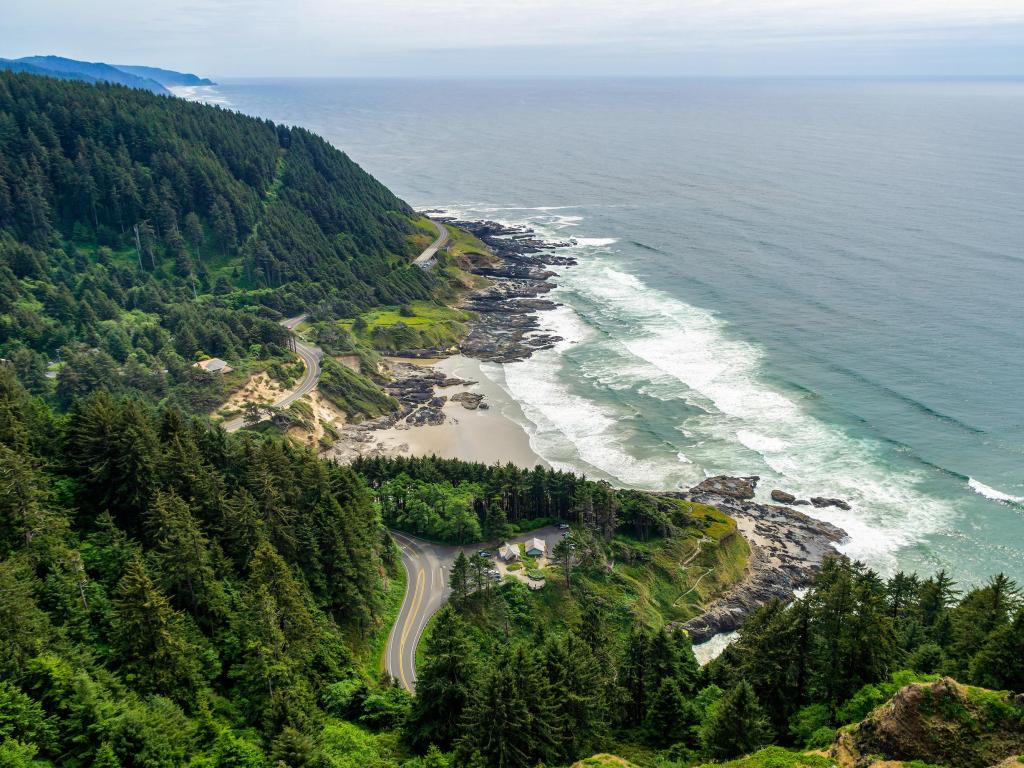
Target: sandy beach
[494,434]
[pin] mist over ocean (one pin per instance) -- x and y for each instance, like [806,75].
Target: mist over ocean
[820,282]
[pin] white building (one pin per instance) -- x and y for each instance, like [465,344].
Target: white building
[536,547]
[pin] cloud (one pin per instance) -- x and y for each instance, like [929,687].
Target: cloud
[327,36]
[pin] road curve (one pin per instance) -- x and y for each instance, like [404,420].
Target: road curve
[427,568]
[426,259]
[310,357]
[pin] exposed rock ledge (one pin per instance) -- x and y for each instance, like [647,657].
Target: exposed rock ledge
[787,548]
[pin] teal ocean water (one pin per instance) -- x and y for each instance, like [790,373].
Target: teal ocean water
[819,282]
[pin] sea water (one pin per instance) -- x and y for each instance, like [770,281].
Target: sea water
[815,281]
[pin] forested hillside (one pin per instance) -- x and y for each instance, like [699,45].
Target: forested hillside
[139,233]
[503,682]
[169,591]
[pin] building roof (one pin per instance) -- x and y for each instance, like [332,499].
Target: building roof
[508,551]
[538,544]
[213,365]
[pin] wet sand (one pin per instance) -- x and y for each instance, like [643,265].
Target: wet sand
[488,436]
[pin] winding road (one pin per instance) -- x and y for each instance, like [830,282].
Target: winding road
[426,259]
[428,568]
[310,356]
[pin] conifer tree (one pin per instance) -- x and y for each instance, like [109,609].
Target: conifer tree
[150,639]
[736,724]
[445,684]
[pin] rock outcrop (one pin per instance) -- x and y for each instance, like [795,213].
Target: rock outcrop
[942,723]
[470,400]
[732,487]
[787,548]
[821,502]
[505,327]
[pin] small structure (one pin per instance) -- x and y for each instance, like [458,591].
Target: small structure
[214,365]
[508,552]
[536,547]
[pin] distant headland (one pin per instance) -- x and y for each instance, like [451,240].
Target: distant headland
[146,78]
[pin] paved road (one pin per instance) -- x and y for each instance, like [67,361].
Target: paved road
[310,357]
[426,259]
[428,568]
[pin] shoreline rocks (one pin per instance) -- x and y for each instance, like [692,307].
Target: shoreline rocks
[506,328]
[782,497]
[469,400]
[787,549]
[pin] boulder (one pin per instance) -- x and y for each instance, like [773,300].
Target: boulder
[470,400]
[782,497]
[821,501]
[732,487]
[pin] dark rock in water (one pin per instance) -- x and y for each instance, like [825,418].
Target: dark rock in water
[506,328]
[782,497]
[821,502]
[733,487]
[802,503]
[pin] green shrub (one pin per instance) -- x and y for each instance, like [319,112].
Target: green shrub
[807,722]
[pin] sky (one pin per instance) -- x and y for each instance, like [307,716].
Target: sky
[470,38]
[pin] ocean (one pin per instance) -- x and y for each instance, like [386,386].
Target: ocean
[820,282]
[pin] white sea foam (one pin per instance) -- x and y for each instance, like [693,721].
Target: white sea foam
[713,647]
[572,432]
[595,242]
[746,426]
[991,493]
[207,94]
[639,339]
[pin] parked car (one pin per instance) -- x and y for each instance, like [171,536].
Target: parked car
[485,553]
[563,526]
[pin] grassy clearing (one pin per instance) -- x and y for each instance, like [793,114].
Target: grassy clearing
[777,757]
[644,584]
[417,325]
[461,243]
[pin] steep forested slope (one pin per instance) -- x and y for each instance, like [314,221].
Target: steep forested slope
[167,590]
[139,232]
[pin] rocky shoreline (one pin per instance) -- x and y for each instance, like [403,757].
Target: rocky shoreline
[787,549]
[787,546]
[506,328]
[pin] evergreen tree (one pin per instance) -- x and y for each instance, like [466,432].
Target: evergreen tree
[578,694]
[150,639]
[736,725]
[670,716]
[459,579]
[998,664]
[445,685]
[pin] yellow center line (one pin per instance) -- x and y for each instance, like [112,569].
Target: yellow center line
[413,607]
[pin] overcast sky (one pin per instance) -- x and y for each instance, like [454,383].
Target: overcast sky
[224,38]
